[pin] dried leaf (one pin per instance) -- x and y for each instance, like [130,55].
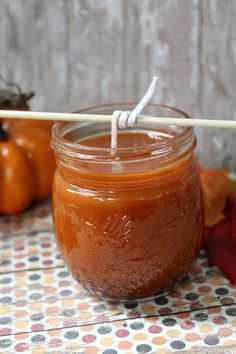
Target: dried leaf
[217,186]
[199,165]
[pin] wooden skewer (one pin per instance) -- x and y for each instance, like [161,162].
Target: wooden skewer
[211,123]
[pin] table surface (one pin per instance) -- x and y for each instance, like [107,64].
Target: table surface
[44,310]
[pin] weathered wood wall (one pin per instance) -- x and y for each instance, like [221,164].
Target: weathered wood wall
[75,53]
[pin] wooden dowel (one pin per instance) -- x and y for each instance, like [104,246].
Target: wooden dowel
[75,117]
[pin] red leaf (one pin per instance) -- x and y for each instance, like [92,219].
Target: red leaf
[220,243]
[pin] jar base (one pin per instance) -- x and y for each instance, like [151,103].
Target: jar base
[184,278]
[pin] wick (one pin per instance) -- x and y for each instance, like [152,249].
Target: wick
[124,119]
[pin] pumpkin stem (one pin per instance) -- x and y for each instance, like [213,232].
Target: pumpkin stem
[13,97]
[3,135]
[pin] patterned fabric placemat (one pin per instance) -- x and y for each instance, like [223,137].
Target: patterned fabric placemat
[37,218]
[44,310]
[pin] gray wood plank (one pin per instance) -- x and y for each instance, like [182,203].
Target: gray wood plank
[218,85]
[76,53]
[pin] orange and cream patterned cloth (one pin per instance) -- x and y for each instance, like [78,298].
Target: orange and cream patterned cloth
[44,310]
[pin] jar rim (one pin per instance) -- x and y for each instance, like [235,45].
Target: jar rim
[63,145]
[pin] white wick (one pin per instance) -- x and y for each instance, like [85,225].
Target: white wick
[124,119]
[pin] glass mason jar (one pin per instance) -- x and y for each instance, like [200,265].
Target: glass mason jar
[128,222]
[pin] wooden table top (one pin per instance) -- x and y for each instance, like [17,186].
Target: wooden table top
[44,310]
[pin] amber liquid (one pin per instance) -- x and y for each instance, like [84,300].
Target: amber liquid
[129,235]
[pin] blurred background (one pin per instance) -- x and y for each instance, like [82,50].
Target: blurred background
[76,53]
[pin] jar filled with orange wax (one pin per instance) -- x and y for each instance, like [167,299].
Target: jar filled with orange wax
[128,221]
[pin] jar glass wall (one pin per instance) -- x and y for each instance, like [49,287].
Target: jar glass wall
[128,222]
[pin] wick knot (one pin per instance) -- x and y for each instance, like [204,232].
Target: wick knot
[124,119]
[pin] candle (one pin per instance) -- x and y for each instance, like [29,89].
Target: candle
[133,231]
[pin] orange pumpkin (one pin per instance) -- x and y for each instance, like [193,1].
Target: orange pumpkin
[16,179]
[26,159]
[26,168]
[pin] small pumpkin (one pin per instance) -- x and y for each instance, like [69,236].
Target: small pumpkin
[16,178]
[27,161]
[26,168]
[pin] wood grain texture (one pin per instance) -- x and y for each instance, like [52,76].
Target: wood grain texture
[218,80]
[76,53]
